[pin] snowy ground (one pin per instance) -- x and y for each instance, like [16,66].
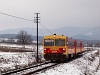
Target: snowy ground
[15,60]
[85,65]
[10,61]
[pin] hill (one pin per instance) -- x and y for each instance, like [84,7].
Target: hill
[75,32]
[68,31]
[91,34]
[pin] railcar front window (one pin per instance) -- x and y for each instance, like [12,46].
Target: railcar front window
[48,42]
[59,42]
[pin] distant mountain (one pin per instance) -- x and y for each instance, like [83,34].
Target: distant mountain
[8,36]
[31,31]
[71,31]
[91,34]
[15,31]
[94,33]
[68,31]
[81,36]
[75,32]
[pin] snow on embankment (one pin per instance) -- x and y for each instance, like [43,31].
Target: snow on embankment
[88,64]
[85,65]
[9,61]
[16,60]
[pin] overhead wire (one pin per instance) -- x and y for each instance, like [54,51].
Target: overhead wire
[45,28]
[25,19]
[49,30]
[15,16]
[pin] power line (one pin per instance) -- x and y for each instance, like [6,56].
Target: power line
[23,19]
[46,29]
[15,16]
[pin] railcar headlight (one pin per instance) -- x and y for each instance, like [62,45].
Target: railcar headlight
[67,43]
[44,48]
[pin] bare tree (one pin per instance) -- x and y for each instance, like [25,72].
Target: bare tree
[24,38]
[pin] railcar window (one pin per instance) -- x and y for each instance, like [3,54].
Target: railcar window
[48,42]
[59,42]
[82,45]
[71,44]
[78,44]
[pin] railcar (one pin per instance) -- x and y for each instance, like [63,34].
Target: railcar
[59,47]
[71,47]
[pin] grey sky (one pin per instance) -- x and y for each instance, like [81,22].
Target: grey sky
[54,13]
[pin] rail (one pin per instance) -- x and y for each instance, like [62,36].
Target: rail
[22,69]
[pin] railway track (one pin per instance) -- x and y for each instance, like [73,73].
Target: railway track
[35,68]
[32,69]
[42,68]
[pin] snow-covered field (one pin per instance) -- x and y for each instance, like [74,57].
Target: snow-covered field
[10,61]
[85,65]
[15,60]
[16,46]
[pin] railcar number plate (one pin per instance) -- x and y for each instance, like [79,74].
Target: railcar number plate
[54,51]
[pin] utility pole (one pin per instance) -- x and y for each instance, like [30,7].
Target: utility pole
[37,21]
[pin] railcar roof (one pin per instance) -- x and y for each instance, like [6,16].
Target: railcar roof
[54,36]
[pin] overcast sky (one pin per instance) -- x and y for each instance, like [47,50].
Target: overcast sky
[54,13]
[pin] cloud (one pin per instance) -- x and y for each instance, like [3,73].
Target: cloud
[54,13]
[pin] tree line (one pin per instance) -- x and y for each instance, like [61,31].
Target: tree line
[23,38]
